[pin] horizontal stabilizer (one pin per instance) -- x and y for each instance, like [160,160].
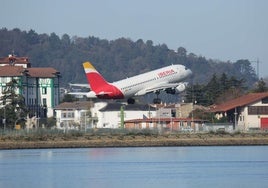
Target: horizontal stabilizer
[79,85]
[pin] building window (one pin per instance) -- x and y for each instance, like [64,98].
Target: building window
[189,123]
[31,90]
[44,101]
[63,115]
[4,80]
[3,89]
[258,110]
[70,114]
[265,100]
[44,90]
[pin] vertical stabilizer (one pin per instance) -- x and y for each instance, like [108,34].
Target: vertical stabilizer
[94,78]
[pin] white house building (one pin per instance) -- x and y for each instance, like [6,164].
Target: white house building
[113,115]
[74,115]
[39,86]
[85,114]
[246,112]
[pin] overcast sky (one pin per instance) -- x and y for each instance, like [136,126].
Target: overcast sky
[217,29]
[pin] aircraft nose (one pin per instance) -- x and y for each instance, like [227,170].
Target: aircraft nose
[189,72]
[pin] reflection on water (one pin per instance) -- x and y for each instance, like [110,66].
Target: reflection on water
[136,167]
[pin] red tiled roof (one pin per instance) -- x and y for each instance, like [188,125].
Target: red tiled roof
[162,119]
[6,69]
[5,60]
[11,71]
[74,105]
[17,61]
[44,72]
[240,101]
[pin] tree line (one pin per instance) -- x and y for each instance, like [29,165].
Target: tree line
[217,90]
[213,81]
[67,54]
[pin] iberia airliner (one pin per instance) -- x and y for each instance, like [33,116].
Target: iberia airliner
[164,79]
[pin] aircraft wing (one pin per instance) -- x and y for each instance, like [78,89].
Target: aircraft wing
[157,87]
[78,94]
[79,85]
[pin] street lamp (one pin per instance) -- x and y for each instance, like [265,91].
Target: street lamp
[17,116]
[193,112]
[235,114]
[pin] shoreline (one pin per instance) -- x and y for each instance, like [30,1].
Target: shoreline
[97,141]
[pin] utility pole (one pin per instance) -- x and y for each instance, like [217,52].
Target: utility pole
[122,116]
[258,73]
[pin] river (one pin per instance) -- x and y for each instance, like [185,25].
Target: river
[140,167]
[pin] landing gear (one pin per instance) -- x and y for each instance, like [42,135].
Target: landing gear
[131,101]
[157,100]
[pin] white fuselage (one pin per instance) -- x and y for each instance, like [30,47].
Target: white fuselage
[141,84]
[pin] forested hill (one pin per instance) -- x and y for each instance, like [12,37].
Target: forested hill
[115,59]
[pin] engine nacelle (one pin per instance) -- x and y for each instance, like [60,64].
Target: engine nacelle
[180,88]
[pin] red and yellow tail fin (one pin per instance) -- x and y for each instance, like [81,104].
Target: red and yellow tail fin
[88,65]
[94,78]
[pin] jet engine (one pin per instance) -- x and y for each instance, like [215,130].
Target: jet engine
[180,88]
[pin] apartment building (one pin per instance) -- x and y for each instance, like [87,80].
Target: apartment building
[40,86]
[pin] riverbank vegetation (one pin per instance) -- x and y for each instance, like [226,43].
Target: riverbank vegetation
[125,138]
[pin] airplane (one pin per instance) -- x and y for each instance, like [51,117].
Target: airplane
[166,79]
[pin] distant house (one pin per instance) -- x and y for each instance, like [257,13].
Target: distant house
[39,86]
[168,124]
[74,115]
[246,112]
[165,111]
[113,115]
[226,127]
[86,114]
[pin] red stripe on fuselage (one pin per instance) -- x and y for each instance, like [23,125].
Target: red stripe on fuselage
[103,89]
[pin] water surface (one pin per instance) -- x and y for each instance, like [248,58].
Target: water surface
[244,166]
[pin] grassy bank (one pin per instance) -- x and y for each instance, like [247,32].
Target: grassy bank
[124,138]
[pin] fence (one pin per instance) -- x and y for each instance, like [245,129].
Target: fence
[228,127]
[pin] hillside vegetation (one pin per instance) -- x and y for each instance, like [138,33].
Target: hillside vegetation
[67,54]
